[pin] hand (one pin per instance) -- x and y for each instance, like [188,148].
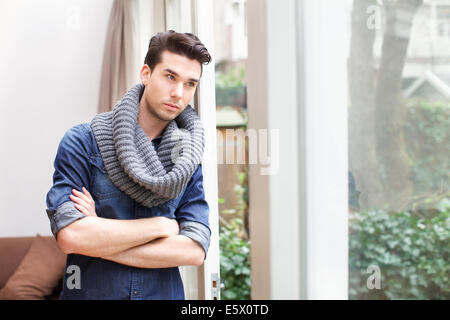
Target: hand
[83,202]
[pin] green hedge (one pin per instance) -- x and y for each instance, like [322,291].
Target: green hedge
[234,262]
[427,130]
[230,87]
[411,249]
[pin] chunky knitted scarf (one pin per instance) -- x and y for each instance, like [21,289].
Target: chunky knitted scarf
[133,165]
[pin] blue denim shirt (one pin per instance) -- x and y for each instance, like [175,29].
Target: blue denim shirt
[78,163]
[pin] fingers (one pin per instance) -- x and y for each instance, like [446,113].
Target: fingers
[83,196]
[83,201]
[87,193]
[80,201]
[82,209]
[81,205]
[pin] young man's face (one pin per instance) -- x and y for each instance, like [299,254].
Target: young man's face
[170,85]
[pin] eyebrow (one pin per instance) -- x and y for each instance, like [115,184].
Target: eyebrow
[176,74]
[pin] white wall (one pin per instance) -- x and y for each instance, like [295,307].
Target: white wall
[50,66]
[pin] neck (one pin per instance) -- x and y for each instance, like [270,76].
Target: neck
[152,126]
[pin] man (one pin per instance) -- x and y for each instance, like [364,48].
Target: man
[127,203]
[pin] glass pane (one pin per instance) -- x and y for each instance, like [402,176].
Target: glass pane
[399,90]
[178,15]
[230,55]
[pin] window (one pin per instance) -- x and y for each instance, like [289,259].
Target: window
[398,154]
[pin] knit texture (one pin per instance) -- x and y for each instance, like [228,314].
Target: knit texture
[133,165]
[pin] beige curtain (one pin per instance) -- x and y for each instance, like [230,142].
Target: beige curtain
[120,69]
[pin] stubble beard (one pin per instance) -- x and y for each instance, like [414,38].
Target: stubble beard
[161,114]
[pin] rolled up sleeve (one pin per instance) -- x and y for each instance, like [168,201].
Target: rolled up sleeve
[193,212]
[72,171]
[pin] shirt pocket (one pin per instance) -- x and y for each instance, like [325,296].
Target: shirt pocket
[101,186]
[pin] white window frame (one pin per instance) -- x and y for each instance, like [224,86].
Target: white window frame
[209,272]
[297,84]
[196,16]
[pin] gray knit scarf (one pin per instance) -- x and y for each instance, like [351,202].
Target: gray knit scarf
[133,165]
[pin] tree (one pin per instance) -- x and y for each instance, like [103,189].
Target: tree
[378,158]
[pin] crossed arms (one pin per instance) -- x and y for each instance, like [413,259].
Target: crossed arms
[145,243]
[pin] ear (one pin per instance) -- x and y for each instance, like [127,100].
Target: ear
[145,74]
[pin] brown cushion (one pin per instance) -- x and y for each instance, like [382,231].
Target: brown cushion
[12,251]
[39,272]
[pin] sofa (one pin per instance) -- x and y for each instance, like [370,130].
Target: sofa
[31,268]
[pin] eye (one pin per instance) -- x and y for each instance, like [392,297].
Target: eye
[171,77]
[191,84]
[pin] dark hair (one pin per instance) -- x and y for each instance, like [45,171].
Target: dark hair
[185,44]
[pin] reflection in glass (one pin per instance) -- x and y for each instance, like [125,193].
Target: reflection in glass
[399,89]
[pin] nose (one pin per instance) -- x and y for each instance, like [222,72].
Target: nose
[177,91]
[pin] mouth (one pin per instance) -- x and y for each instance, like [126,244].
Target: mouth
[171,107]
